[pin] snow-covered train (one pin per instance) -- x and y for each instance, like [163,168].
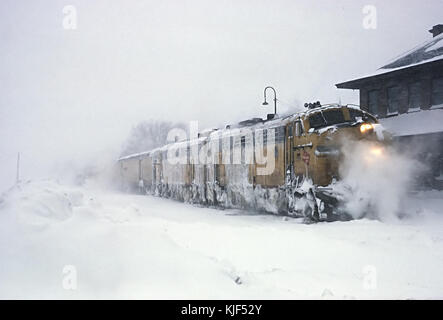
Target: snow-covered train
[282,165]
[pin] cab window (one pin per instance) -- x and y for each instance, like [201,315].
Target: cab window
[356,114]
[326,118]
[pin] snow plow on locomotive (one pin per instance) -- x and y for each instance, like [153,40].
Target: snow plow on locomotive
[287,165]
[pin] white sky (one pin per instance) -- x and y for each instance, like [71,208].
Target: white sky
[71,94]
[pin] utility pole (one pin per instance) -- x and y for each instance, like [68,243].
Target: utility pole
[18,169]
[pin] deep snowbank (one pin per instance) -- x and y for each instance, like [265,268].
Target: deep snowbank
[128,246]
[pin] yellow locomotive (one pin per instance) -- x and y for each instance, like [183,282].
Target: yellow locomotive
[281,165]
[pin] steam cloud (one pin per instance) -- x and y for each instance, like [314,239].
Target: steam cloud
[375,180]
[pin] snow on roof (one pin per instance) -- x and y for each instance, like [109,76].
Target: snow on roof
[421,122]
[430,51]
[134,155]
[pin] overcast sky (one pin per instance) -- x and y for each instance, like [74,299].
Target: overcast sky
[72,94]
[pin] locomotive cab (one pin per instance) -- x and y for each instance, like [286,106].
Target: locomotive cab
[319,137]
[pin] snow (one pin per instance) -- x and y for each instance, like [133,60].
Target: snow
[423,53]
[429,51]
[422,122]
[325,129]
[437,106]
[379,131]
[134,246]
[435,46]
[135,155]
[215,133]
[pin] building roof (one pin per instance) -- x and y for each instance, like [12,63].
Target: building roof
[428,52]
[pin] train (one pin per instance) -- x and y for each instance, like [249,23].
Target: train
[282,165]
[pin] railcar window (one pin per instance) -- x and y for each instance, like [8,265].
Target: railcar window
[326,118]
[220,145]
[253,147]
[279,134]
[231,148]
[243,144]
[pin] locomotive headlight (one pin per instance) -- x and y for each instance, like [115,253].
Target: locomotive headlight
[376,151]
[366,127]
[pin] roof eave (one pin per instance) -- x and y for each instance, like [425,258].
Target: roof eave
[354,84]
[358,83]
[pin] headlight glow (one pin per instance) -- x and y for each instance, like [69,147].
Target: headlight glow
[376,151]
[366,127]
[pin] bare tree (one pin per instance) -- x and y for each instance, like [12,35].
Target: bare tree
[148,135]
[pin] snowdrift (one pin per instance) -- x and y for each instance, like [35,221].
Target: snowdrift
[129,246]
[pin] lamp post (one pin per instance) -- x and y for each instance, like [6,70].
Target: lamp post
[275,99]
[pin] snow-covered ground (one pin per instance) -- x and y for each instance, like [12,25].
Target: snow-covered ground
[58,241]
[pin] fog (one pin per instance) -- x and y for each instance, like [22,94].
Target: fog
[70,97]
